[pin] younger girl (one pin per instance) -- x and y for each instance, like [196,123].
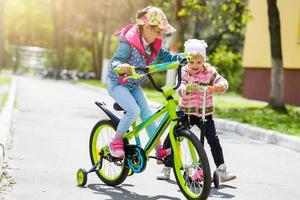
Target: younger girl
[140,45]
[197,72]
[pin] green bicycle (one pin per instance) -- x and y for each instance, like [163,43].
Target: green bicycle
[187,154]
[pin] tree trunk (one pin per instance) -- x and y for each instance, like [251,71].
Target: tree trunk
[101,53]
[57,43]
[277,73]
[199,20]
[1,34]
[178,36]
[95,52]
[107,41]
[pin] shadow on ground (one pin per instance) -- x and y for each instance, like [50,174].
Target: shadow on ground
[119,192]
[219,194]
[214,192]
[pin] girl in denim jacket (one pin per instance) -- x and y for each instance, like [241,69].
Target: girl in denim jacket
[140,45]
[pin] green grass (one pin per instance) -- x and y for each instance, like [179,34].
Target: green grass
[95,83]
[258,114]
[3,99]
[237,108]
[4,80]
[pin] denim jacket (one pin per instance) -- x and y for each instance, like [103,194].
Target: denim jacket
[132,52]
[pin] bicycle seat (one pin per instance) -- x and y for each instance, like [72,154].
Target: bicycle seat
[117,107]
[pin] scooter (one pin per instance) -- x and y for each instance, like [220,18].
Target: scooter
[204,88]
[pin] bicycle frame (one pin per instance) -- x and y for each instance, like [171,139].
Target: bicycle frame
[168,111]
[185,164]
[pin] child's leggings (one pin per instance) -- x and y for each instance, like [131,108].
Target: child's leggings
[134,102]
[210,134]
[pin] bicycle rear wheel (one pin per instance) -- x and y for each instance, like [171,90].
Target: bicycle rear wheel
[191,168]
[111,173]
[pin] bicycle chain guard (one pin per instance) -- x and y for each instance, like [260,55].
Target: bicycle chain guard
[136,158]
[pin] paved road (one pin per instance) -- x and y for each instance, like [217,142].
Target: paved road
[51,136]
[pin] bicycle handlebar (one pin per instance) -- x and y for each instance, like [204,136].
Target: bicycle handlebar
[192,86]
[214,89]
[155,68]
[181,63]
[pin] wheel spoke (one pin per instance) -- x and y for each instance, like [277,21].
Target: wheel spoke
[192,176]
[110,172]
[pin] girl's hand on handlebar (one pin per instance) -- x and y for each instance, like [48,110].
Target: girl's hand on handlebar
[216,89]
[123,69]
[211,89]
[192,87]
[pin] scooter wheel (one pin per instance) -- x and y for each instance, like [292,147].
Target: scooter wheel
[216,180]
[81,177]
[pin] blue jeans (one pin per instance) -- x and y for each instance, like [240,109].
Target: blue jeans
[134,102]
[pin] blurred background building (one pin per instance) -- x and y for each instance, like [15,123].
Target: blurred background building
[257,51]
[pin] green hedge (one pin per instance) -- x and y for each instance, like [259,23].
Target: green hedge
[229,65]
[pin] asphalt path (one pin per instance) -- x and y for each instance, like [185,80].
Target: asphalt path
[50,142]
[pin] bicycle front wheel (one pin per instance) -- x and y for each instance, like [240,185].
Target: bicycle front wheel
[191,167]
[111,173]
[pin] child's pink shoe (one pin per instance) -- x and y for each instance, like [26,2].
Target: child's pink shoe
[161,153]
[116,148]
[197,175]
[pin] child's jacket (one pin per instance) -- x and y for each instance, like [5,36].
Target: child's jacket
[132,51]
[192,102]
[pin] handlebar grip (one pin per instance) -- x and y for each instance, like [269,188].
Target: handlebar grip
[119,70]
[184,61]
[124,70]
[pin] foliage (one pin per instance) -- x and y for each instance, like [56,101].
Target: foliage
[3,99]
[229,65]
[79,59]
[159,78]
[76,29]
[81,32]
[28,22]
[219,22]
[4,80]
[95,83]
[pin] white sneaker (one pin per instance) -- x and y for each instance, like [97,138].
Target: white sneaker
[164,174]
[224,175]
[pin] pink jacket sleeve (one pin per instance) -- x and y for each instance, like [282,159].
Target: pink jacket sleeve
[218,80]
[184,81]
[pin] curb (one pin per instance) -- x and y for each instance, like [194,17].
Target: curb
[256,133]
[5,122]
[252,132]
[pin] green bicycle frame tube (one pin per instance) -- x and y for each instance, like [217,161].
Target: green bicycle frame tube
[159,131]
[170,115]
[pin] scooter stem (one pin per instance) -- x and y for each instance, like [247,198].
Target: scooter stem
[205,88]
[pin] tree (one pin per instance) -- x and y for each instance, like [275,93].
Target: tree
[276,100]
[1,34]
[57,32]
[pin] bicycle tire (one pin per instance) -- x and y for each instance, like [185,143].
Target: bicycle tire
[185,183]
[95,148]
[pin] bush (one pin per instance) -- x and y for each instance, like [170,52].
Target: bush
[229,65]
[159,78]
